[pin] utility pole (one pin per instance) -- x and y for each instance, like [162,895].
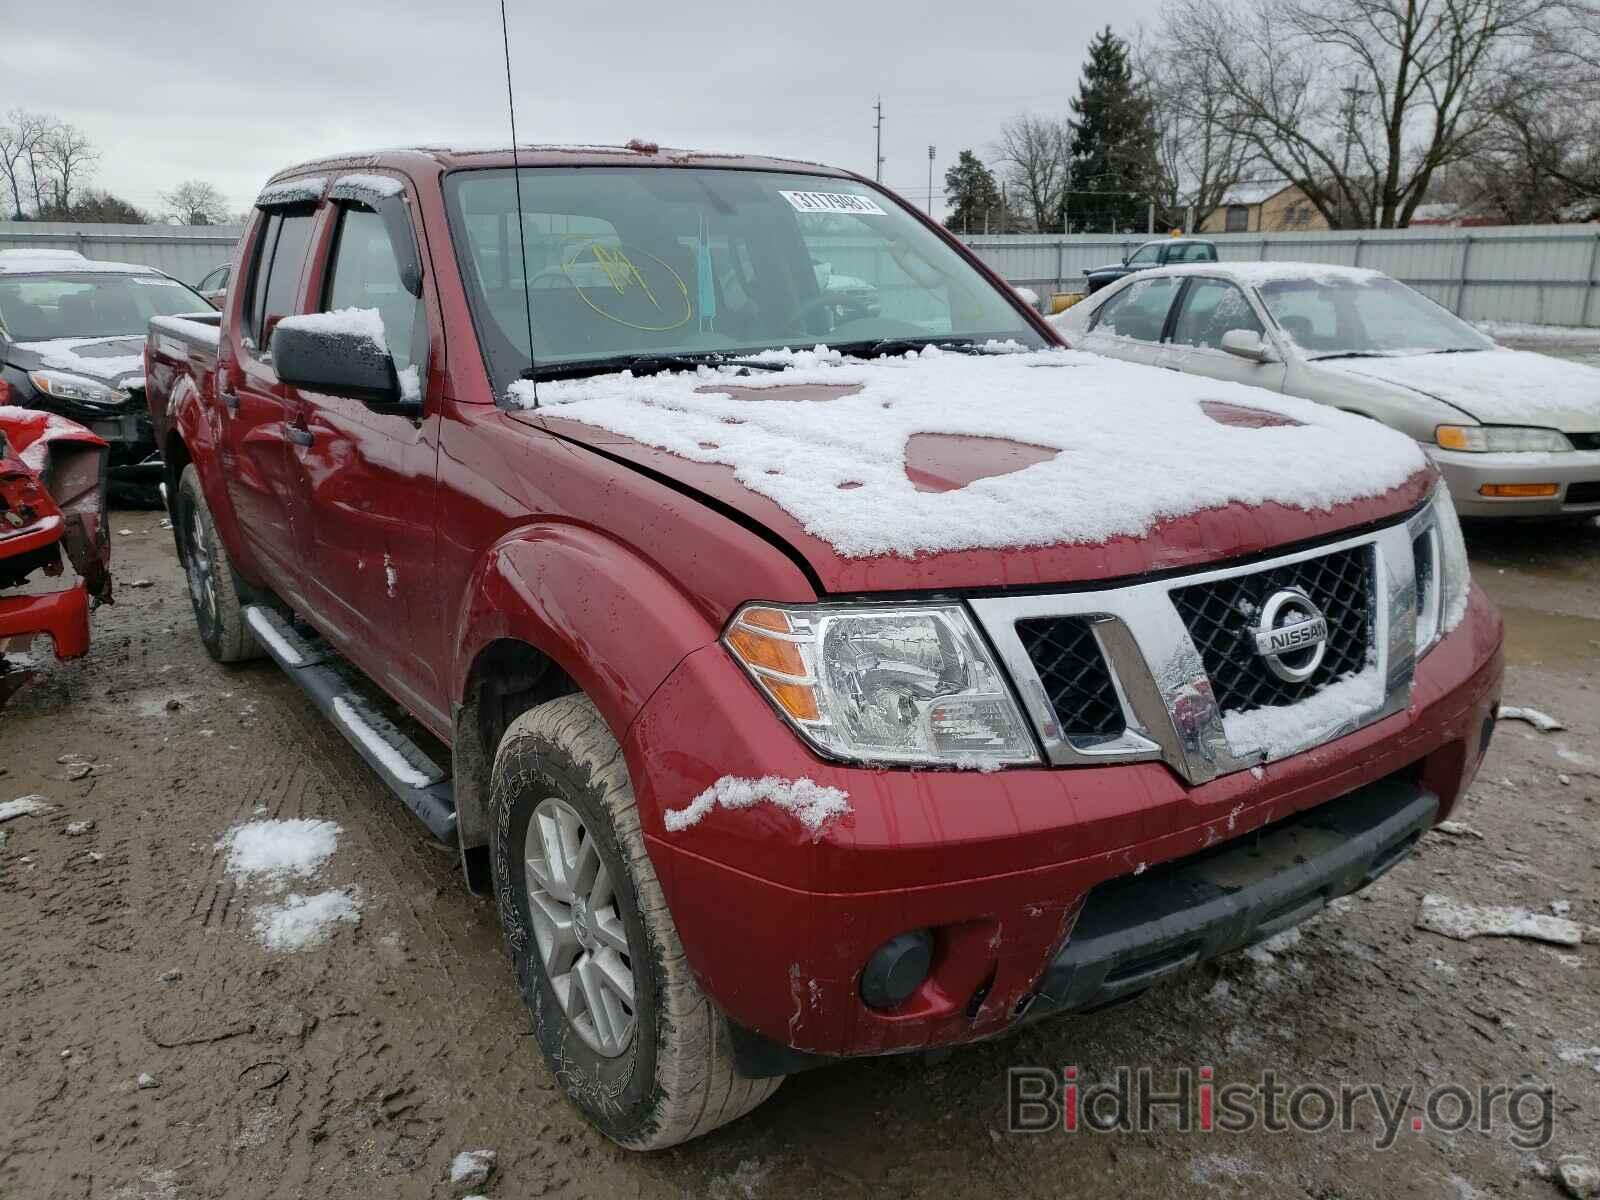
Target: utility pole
[878,154]
[930,180]
[1352,95]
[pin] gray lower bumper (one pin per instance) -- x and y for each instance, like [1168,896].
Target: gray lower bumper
[1576,475]
[1137,930]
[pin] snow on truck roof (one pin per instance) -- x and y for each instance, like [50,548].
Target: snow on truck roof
[869,455]
[537,154]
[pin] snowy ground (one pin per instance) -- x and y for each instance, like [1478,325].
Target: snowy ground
[360,1064]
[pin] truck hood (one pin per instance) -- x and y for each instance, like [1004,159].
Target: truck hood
[939,471]
[1497,387]
[113,360]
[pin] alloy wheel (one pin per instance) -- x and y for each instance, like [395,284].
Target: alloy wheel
[578,926]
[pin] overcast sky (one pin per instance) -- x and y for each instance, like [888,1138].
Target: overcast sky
[231,92]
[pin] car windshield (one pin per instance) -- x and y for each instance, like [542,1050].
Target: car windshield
[1349,318]
[66,304]
[657,263]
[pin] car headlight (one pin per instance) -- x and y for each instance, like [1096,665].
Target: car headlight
[1443,576]
[885,683]
[62,385]
[1499,439]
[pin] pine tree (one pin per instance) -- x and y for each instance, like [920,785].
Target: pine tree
[1113,142]
[971,192]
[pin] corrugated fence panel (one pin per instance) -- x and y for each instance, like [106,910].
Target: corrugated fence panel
[1545,274]
[185,252]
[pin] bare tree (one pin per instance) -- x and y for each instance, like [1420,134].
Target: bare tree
[67,160]
[19,139]
[1202,154]
[195,202]
[1360,102]
[1035,152]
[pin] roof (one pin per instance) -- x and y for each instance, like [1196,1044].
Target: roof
[635,153]
[1253,193]
[1257,273]
[41,261]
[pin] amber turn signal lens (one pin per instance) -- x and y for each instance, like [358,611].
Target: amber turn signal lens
[1452,437]
[1519,491]
[770,653]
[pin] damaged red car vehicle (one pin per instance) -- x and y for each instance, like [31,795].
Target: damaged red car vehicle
[54,549]
[803,681]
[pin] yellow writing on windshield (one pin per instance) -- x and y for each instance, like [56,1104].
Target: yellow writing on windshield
[620,270]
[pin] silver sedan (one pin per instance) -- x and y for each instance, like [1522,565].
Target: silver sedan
[1513,432]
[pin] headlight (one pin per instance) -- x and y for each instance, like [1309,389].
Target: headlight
[1499,438]
[886,684]
[61,385]
[1443,576]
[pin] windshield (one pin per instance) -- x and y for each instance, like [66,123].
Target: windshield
[38,308]
[682,261]
[1340,318]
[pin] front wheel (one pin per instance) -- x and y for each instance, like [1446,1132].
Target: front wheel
[218,609]
[627,1032]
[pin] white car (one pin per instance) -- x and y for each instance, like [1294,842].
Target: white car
[1514,433]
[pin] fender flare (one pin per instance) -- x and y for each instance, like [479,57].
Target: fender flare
[595,607]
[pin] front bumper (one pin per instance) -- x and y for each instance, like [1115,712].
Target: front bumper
[777,924]
[63,615]
[1575,473]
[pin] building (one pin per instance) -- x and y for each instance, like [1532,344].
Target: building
[1264,206]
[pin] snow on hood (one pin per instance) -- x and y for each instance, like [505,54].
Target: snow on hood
[1498,387]
[103,358]
[942,452]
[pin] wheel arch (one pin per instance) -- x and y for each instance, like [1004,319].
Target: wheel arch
[555,609]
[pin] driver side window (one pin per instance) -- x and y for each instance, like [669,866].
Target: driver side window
[366,274]
[1146,256]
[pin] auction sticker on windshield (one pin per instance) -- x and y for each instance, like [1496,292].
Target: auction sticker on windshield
[833,202]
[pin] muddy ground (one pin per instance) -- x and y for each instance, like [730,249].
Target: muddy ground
[360,1068]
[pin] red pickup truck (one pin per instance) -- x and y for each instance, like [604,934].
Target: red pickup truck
[804,677]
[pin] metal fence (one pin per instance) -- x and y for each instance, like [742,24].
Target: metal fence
[185,252]
[1542,274]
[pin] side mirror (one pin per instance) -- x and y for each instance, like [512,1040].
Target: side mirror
[1247,343]
[329,353]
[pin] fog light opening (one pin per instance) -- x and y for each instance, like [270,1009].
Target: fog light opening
[897,969]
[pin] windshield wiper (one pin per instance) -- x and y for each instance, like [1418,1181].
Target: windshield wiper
[1350,354]
[645,364]
[1460,350]
[899,345]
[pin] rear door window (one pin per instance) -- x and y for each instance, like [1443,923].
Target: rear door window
[1138,311]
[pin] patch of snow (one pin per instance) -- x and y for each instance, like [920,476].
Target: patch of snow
[812,804]
[303,921]
[410,385]
[1278,732]
[195,330]
[292,191]
[1208,1169]
[145,1082]
[359,322]
[79,828]
[1458,829]
[1580,1056]
[472,1168]
[23,806]
[1136,448]
[1453,919]
[1258,273]
[61,354]
[1500,386]
[393,762]
[280,848]
[361,186]
[29,262]
[1560,908]
[1543,722]
[261,626]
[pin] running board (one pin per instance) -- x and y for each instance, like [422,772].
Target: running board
[420,783]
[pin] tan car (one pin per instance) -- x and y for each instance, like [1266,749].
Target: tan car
[1516,434]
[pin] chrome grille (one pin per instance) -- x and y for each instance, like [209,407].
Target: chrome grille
[1221,616]
[1067,657]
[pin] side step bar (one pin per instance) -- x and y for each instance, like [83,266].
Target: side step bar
[420,783]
